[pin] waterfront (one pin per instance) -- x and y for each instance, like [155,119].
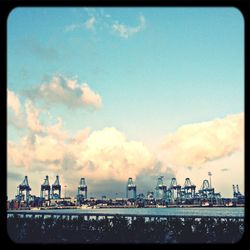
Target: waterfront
[196,211]
[174,196]
[157,225]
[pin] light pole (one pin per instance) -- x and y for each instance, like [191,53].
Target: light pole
[210,174]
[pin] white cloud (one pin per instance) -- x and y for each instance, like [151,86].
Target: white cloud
[43,145]
[81,136]
[195,144]
[57,131]
[127,31]
[19,153]
[63,90]
[15,115]
[89,24]
[108,155]
[89,97]
[13,102]
[103,155]
[105,22]
[33,117]
[29,117]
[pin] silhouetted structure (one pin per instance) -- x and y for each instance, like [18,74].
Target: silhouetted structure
[82,191]
[131,187]
[160,188]
[45,189]
[56,189]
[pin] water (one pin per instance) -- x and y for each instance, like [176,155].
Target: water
[210,211]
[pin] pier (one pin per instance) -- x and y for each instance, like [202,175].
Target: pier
[96,216]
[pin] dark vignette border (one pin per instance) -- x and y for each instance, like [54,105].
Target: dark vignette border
[6,6]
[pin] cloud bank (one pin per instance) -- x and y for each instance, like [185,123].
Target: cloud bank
[106,155]
[15,115]
[33,117]
[195,144]
[66,91]
[13,102]
[101,155]
[127,31]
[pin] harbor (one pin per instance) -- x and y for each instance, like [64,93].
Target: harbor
[125,125]
[172,196]
[134,212]
[169,214]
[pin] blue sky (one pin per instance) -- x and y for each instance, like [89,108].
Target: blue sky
[160,69]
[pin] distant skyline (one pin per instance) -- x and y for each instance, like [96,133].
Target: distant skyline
[112,93]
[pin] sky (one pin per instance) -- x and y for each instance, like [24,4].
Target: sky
[112,93]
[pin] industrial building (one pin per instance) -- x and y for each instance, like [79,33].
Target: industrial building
[164,196]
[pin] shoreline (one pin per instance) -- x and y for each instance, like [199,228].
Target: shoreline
[116,207]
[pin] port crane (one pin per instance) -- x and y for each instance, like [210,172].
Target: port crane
[131,187]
